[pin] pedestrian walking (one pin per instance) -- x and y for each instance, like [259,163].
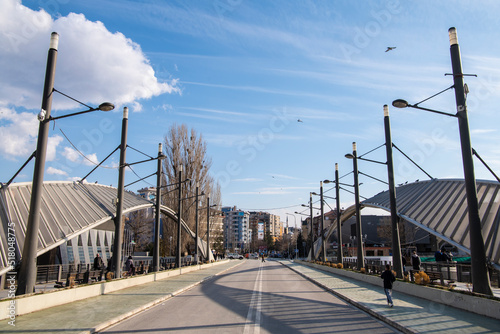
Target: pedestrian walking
[389,278]
[415,263]
[403,260]
[129,266]
[263,258]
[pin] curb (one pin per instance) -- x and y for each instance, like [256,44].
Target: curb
[356,304]
[149,305]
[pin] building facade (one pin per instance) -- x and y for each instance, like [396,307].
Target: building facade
[237,232]
[262,222]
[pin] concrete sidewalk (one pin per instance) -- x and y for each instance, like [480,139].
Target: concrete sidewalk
[93,314]
[410,314]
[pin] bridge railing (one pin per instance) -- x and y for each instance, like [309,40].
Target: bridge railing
[453,271]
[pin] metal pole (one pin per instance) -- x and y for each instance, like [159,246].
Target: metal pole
[27,272]
[323,248]
[156,251]
[208,229]
[117,252]
[396,245]
[179,211]
[313,257]
[340,250]
[480,277]
[361,253]
[196,220]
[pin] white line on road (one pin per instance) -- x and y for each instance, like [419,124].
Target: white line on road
[255,306]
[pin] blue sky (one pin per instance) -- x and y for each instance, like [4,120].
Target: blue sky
[242,73]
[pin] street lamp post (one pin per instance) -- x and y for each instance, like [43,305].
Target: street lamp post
[208,229]
[27,273]
[479,270]
[480,277]
[323,248]
[396,245]
[295,225]
[179,214]
[196,223]
[117,252]
[340,254]
[361,255]
[313,257]
[156,251]
[322,221]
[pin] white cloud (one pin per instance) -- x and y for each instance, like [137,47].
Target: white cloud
[94,65]
[71,154]
[52,144]
[91,160]
[75,157]
[482,131]
[248,179]
[17,132]
[55,171]
[281,176]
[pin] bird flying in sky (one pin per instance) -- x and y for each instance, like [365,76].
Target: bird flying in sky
[389,48]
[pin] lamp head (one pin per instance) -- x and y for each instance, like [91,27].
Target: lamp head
[349,156]
[54,41]
[314,193]
[452,32]
[327,181]
[400,103]
[306,206]
[106,106]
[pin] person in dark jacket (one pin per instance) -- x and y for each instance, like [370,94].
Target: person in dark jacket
[389,278]
[438,256]
[98,263]
[415,261]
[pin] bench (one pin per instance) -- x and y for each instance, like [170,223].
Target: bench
[78,278]
[373,268]
[93,275]
[433,276]
[71,279]
[144,269]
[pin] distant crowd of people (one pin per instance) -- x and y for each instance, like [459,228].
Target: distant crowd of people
[443,255]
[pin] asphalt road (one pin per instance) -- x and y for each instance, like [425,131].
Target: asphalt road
[253,298]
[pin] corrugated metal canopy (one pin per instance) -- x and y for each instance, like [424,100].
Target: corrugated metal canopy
[440,207]
[67,210]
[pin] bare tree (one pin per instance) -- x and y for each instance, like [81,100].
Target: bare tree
[140,225]
[183,147]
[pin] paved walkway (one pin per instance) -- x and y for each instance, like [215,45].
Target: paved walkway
[409,314]
[96,313]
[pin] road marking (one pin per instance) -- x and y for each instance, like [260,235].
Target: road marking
[253,326]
